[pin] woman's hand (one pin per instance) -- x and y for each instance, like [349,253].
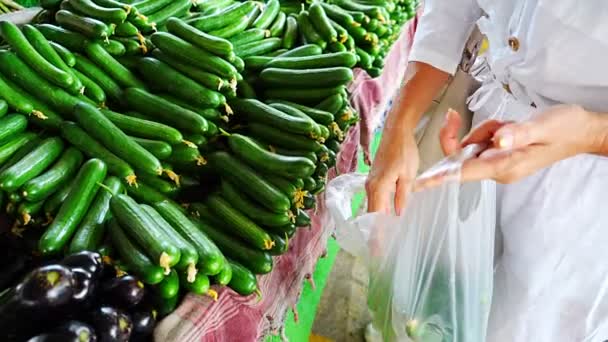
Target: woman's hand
[393,170]
[518,150]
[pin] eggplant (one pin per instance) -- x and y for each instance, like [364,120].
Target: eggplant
[47,287]
[88,261]
[124,292]
[81,331]
[111,324]
[54,337]
[144,322]
[84,286]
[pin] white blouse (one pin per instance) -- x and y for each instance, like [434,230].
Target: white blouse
[546,51]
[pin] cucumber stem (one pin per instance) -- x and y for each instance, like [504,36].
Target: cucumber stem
[191,273]
[164,261]
[268,244]
[258,294]
[200,161]
[105,187]
[292,216]
[213,294]
[172,176]
[132,180]
[26,217]
[228,109]
[221,84]
[189,144]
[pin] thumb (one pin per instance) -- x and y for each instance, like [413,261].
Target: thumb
[448,135]
[517,135]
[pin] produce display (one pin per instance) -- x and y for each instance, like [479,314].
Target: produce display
[183,142]
[7,6]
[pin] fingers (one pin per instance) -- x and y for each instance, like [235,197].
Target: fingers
[516,135]
[484,132]
[448,135]
[401,194]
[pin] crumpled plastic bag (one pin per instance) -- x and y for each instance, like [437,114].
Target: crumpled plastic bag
[430,269]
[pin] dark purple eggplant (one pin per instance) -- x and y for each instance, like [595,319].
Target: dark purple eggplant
[124,292]
[84,286]
[47,287]
[54,337]
[111,324]
[89,261]
[82,331]
[143,324]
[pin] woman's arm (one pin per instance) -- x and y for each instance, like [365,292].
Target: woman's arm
[599,134]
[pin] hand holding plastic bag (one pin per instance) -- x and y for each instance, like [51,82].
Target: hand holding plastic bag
[431,269]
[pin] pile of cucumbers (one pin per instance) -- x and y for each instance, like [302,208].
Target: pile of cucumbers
[184,141]
[8,6]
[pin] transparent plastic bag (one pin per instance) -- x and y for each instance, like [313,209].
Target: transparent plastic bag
[431,269]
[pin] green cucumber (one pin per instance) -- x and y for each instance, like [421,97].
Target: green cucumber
[215,45]
[185,155]
[145,193]
[304,50]
[92,10]
[328,60]
[92,148]
[256,156]
[33,164]
[247,206]
[332,104]
[281,244]
[243,280]
[10,125]
[248,36]
[268,15]
[142,128]
[211,260]
[338,15]
[330,77]
[91,230]
[249,181]
[206,79]
[132,47]
[257,111]
[15,97]
[148,7]
[14,144]
[200,286]
[111,66]
[238,223]
[113,47]
[232,29]
[280,138]
[126,29]
[245,90]
[73,41]
[100,127]
[74,207]
[309,201]
[46,50]
[296,113]
[91,89]
[92,28]
[52,204]
[210,114]
[165,111]
[321,23]
[165,187]
[98,76]
[312,156]
[26,210]
[333,145]
[337,47]
[160,149]
[275,53]
[307,30]
[258,48]
[257,62]
[65,167]
[169,287]
[302,219]
[145,231]
[19,43]
[132,255]
[290,35]
[278,26]
[342,33]
[223,18]
[307,95]
[176,8]
[186,52]
[257,261]
[225,276]
[174,82]
[286,186]
[3,108]
[189,255]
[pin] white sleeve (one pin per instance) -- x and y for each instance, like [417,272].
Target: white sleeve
[443,29]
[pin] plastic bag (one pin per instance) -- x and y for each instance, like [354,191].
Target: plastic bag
[431,269]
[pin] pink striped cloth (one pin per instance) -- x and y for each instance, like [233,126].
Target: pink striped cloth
[245,319]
